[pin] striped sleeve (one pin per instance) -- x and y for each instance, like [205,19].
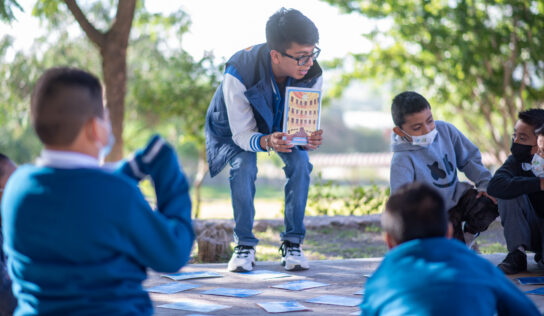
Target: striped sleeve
[241,120]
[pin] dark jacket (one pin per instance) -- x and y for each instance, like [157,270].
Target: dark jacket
[511,181]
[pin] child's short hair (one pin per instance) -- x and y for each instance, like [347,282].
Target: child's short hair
[287,26]
[533,117]
[63,100]
[414,211]
[405,103]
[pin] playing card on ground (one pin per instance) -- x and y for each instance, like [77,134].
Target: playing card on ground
[299,285]
[170,288]
[282,307]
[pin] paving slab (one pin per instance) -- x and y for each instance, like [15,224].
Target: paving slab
[344,278]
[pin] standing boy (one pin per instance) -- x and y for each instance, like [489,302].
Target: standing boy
[426,273]
[431,151]
[521,195]
[79,238]
[246,116]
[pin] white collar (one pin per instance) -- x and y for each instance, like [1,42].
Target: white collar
[66,160]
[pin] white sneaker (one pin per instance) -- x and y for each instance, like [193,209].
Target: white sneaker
[243,259]
[292,257]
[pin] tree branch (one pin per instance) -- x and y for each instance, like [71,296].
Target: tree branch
[123,21]
[94,35]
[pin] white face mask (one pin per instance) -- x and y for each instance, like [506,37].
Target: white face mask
[424,140]
[106,149]
[537,165]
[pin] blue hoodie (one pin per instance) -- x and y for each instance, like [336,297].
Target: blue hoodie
[439,276]
[437,164]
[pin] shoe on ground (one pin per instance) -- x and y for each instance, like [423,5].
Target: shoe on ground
[292,257]
[242,260]
[515,262]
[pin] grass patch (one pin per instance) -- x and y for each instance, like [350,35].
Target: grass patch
[492,248]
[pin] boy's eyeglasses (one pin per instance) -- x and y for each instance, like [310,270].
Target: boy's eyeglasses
[303,60]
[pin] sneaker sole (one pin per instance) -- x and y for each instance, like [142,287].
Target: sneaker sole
[298,267]
[241,269]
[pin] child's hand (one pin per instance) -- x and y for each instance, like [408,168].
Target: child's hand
[483,193]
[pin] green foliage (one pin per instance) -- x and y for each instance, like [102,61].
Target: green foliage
[6,9]
[479,62]
[329,198]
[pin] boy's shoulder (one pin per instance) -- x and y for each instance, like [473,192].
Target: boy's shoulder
[30,175]
[448,128]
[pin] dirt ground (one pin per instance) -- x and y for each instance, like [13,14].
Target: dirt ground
[333,243]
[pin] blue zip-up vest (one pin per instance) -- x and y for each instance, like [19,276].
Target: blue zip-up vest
[253,66]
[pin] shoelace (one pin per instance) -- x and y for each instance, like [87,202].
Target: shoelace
[242,251]
[292,249]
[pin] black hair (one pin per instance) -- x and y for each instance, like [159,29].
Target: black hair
[405,103]
[533,117]
[415,211]
[287,26]
[63,100]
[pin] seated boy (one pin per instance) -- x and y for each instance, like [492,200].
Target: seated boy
[521,195]
[79,238]
[431,151]
[426,273]
[7,301]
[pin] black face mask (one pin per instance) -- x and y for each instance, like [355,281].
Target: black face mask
[522,153]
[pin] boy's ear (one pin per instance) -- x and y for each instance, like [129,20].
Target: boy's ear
[91,129]
[275,56]
[391,243]
[399,132]
[449,233]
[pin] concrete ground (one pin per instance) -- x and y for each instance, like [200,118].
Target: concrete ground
[345,277]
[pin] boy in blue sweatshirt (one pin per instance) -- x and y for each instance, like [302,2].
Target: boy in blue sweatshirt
[431,151]
[426,273]
[78,237]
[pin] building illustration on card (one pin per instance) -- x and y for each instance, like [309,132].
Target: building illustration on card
[302,113]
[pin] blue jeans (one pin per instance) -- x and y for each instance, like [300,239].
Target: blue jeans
[243,174]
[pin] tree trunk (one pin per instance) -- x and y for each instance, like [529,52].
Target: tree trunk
[113,50]
[202,171]
[115,77]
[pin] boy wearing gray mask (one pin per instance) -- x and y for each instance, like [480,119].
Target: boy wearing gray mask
[430,151]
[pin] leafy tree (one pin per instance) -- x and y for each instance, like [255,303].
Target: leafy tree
[479,61]
[172,88]
[167,90]
[112,45]
[6,9]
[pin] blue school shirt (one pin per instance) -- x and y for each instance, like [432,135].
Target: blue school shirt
[79,239]
[439,276]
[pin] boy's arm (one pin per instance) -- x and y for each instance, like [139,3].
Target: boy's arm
[511,301]
[163,239]
[469,161]
[507,184]
[401,172]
